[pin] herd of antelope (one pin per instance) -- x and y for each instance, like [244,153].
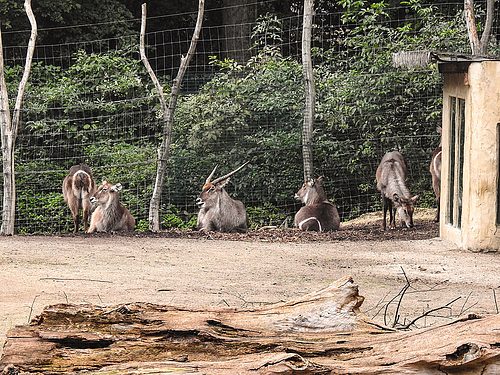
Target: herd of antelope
[219,212]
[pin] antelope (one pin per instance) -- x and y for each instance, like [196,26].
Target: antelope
[218,211]
[77,188]
[318,214]
[435,169]
[110,215]
[391,177]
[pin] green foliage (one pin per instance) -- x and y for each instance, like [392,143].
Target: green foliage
[97,98]
[102,110]
[267,215]
[173,218]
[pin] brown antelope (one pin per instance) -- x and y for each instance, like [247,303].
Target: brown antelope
[218,211]
[318,214]
[435,169]
[391,177]
[110,215]
[78,186]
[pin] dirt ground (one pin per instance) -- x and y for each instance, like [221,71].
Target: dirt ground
[248,270]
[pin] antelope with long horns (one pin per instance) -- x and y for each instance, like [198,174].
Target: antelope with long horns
[318,214]
[78,186]
[218,211]
[391,182]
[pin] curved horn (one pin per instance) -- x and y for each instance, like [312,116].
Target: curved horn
[211,175]
[230,174]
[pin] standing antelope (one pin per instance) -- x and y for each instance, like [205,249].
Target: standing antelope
[391,177]
[318,214]
[218,211]
[110,215]
[77,187]
[435,169]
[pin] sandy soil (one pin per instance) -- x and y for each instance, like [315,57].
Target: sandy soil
[247,271]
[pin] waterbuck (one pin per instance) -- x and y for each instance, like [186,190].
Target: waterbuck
[391,177]
[110,215]
[218,211]
[318,214]
[435,169]
[77,187]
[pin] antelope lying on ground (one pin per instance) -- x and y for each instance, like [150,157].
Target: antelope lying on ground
[391,177]
[218,211]
[318,214]
[435,169]
[110,215]
[78,186]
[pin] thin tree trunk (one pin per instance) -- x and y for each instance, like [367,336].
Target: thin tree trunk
[310,93]
[168,114]
[10,126]
[478,47]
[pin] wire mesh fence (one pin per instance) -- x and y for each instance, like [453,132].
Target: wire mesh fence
[91,102]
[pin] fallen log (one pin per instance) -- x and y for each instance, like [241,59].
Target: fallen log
[320,333]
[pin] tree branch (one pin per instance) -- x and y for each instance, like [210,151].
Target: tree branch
[407,326]
[490,10]
[27,68]
[168,114]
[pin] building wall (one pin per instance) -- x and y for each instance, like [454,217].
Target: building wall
[480,87]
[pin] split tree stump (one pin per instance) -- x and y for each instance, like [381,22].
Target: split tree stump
[320,333]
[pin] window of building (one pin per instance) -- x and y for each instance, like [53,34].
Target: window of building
[456,168]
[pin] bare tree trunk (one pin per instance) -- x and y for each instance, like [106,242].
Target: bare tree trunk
[168,113]
[478,47]
[310,93]
[9,128]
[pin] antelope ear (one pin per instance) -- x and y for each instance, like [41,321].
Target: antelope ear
[116,187]
[104,182]
[415,198]
[395,197]
[319,180]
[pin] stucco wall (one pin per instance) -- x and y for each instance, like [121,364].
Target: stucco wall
[480,88]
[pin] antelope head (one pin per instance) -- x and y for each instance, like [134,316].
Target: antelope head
[405,209]
[212,189]
[311,192]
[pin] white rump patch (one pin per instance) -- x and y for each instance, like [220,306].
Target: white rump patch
[435,160]
[310,218]
[81,171]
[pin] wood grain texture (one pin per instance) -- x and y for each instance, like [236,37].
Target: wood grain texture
[320,333]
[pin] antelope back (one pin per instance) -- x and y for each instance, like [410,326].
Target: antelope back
[391,181]
[319,217]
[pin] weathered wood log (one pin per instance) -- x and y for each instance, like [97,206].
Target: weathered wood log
[320,333]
